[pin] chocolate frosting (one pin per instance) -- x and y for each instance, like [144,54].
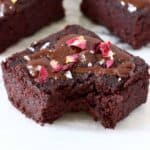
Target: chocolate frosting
[138,3]
[123,64]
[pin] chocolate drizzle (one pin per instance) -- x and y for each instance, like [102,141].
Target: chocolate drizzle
[123,64]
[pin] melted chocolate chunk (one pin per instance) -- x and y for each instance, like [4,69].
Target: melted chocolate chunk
[80,61]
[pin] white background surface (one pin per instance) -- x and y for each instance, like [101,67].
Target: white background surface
[73,131]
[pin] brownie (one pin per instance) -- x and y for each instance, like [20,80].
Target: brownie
[21,18]
[74,70]
[128,19]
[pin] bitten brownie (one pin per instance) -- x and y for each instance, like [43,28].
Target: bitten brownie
[20,18]
[129,19]
[74,70]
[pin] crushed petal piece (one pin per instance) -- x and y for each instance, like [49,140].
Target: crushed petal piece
[72,58]
[55,65]
[109,63]
[79,42]
[105,48]
[43,74]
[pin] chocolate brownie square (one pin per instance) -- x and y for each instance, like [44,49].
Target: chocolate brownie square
[74,70]
[20,18]
[129,19]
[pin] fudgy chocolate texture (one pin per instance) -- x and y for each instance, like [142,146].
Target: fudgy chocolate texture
[129,19]
[23,18]
[107,97]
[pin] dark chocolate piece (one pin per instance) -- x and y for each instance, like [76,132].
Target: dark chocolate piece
[74,70]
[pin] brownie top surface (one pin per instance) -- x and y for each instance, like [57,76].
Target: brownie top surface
[76,56]
[135,3]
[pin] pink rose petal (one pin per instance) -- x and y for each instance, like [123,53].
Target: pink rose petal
[43,74]
[65,67]
[109,63]
[55,65]
[105,48]
[72,58]
[78,42]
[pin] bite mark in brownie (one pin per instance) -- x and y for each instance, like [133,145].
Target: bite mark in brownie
[129,19]
[72,73]
[22,18]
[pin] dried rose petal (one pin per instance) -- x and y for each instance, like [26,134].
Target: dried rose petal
[43,74]
[79,42]
[105,48]
[111,55]
[72,58]
[65,67]
[109,63]
[55,65]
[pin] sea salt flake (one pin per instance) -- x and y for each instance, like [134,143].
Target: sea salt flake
[32,73]
[31,49]
[101,62]
[92,51]
[46,45]
[123,3]
[29,66]
[68,75]
[27,58]
[131,8]
[90,64]
[119,79]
